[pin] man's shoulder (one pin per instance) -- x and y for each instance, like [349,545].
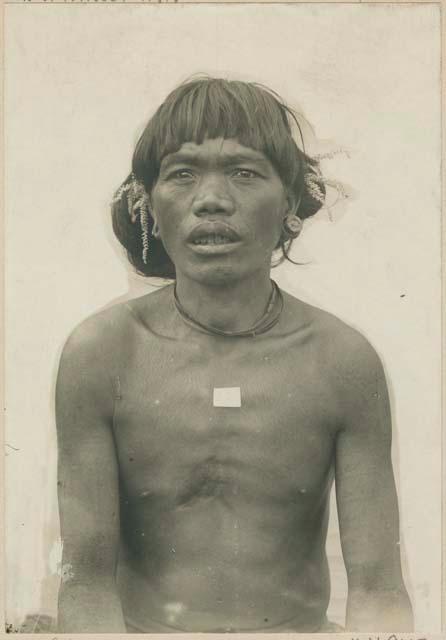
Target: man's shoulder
[113,328]
[97,330]
[342,346]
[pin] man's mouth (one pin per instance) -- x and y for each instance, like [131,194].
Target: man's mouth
[213,239]
[213,234]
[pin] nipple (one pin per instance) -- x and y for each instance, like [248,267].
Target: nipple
[173,610]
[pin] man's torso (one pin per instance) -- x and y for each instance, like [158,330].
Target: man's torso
[223,510]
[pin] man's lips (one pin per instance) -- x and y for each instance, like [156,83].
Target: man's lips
[213,233]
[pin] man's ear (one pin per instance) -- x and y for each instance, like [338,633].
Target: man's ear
[151,207]
[155,227]
[292,204]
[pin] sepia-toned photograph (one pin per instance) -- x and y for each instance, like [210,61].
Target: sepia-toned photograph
[223,318]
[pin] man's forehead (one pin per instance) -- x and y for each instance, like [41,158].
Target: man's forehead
[224,148]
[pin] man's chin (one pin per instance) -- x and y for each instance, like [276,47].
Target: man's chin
[216,275]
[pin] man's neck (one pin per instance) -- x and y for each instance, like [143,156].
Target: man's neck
[235,306]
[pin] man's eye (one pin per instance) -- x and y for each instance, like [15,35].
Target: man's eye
[245,173]
[182,174]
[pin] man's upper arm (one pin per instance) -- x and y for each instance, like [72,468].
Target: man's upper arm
[87,466]
[365,487]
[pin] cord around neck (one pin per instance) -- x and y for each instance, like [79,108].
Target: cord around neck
[270,317]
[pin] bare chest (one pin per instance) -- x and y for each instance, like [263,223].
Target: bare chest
[173,442]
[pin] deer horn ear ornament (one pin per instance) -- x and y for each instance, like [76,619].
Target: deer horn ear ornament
[292,225]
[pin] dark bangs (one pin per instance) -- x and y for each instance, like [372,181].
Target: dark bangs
[217,108]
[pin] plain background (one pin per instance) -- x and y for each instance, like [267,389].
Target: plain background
[80,83]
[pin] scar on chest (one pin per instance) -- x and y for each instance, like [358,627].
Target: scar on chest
[118,395]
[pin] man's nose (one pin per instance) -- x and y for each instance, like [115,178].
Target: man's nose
[212,197]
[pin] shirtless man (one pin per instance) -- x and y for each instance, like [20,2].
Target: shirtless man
[201,427]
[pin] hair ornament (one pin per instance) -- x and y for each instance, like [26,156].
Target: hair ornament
[144,221]
[329,155]
[314,177]
[137,206]
[137,198]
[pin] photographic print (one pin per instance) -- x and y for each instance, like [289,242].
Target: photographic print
[223,318]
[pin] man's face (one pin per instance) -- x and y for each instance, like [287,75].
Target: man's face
[219,208]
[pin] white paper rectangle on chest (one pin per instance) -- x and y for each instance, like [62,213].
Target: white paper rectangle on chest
[227,397]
